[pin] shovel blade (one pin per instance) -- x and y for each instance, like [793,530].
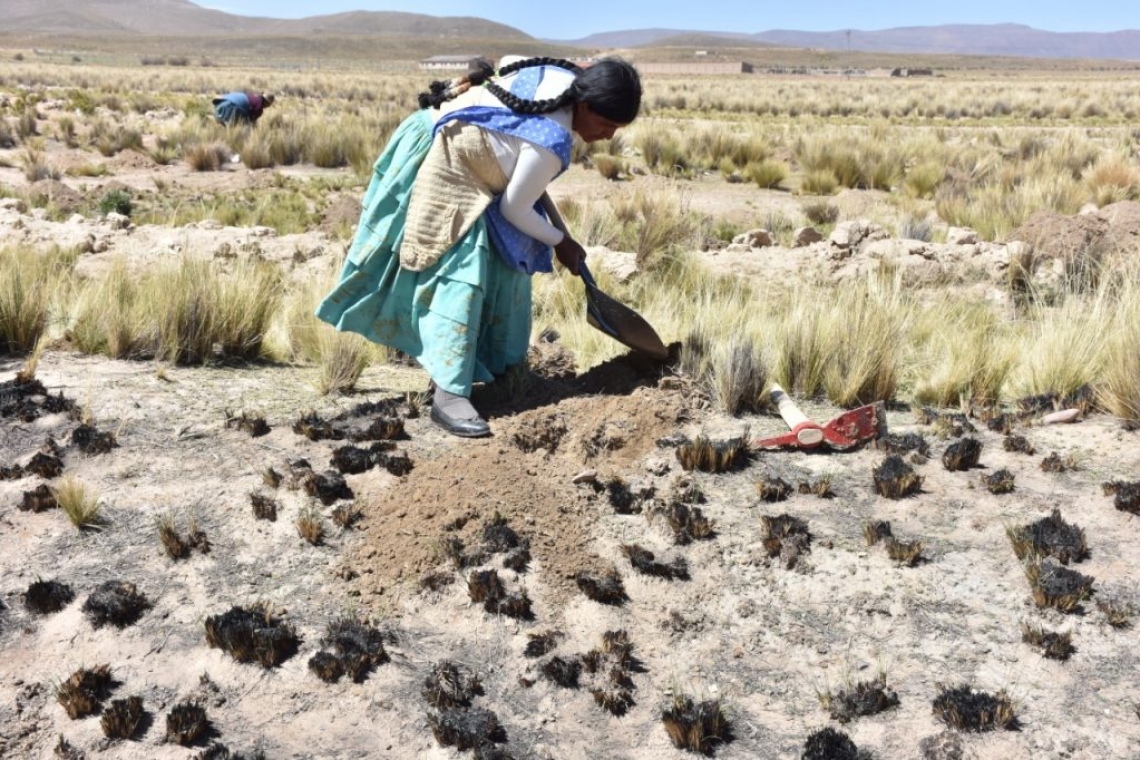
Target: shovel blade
[621,322]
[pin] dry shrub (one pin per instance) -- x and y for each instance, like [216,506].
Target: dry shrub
[207,157]
[695,726]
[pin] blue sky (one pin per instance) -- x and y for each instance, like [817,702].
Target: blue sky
[583,17]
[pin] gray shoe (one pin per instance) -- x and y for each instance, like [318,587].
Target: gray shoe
[456,415]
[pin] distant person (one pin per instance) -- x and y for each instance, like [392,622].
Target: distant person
[244,107]
[451,231]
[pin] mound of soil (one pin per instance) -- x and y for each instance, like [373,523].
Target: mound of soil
[524,473]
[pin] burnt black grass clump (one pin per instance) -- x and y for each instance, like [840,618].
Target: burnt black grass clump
[820,487]
[352,459]
[11,472]
[381,429]
[1054,645]
[346,515]
[687,522]
[271,478]
[327,487]
[90,440]
[1126,495]
[186,723]
[46,597]
[772,489]
[829,744]
[621,497]
[46,465]
[219,751]
[696,726]
[252,635]
[82,694]
[39,499]
[864,698]
[895,479]
[999,482]
[178,546]
[449,685]
[26,399]
[500,538]
[456,552]
[875,531]
[914,444]
[1054,462]
[314,427]
[541,644]
[945,424]
[1002,424]
[967,709]
[604,588]
[1018,444]
[356,648]
[786,537]
[1118,613]
[116,602]
[1049,537]
[122,719]
[486,587]
[563,671]
[264,507]
[907,553]
[1043,403]
[962,454]
[706,455]
[254,425]
[645,562]
[609,668]
[474,728]
[1054,585]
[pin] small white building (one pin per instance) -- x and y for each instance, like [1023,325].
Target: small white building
[454,62]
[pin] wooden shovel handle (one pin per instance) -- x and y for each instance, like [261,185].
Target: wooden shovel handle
[552,213]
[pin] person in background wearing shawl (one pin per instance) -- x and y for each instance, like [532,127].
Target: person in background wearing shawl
[452,227]
[243,107]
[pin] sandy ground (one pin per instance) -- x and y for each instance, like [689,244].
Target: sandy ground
[764,638]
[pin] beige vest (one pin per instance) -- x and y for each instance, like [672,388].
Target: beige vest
[458,179]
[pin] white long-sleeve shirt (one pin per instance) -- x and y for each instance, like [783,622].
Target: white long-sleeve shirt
[529,168]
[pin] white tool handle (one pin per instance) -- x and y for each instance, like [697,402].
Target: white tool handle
[808,433]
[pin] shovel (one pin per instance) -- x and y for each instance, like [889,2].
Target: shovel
[607,314]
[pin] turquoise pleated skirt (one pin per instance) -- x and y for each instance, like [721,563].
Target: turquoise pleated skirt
[465,319]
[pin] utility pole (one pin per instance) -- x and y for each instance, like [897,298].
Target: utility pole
[848,51]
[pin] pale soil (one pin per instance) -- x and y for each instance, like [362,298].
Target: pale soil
[763,638]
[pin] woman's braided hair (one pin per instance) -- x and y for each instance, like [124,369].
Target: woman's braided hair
[442,91]
[523,105]
[611,88]
[439,92]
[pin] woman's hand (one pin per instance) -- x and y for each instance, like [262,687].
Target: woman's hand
[570,254]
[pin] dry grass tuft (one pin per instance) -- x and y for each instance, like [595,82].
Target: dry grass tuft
[79,501]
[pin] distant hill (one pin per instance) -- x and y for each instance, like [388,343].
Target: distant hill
[954,39]
[182,18]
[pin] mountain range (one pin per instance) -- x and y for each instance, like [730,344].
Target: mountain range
[182,18]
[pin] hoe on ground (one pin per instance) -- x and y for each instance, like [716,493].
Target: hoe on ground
[847,431]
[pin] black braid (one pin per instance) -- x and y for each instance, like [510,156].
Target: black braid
[528,63]
[522,105]
[440,92]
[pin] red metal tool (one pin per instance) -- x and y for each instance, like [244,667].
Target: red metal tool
[844,432]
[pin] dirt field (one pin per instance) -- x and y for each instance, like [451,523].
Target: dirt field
[765,635]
